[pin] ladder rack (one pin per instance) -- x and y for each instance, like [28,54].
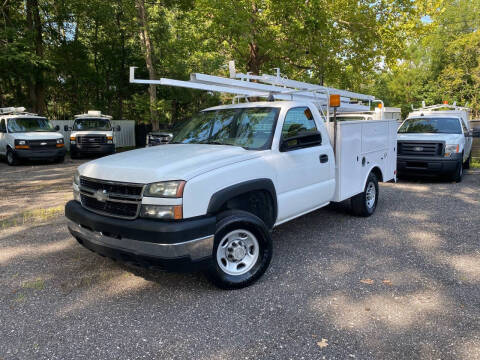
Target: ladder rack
[441,107]
[267,86]
[15,111]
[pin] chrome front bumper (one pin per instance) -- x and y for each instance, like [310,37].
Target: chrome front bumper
[196,249]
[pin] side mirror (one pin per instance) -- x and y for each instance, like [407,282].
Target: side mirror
[300,141]
[474,133]
[57,128]
[118,128]
[67,128]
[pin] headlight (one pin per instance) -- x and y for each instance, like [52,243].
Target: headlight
[76,178]
[166,189]
[451,149]
[59,141]
[162,211]
[21,144]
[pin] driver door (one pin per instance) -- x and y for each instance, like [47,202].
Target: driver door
[3,137]
[306,175]
[468,142]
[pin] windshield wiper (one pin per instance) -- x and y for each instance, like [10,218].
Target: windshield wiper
[216,143]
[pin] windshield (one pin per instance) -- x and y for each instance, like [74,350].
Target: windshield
[435,125]
[92,124]
[29,125]
[250,128]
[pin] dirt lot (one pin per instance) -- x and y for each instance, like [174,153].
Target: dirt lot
[403,284]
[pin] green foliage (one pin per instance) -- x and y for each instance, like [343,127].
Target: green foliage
[377,46]
[442,63]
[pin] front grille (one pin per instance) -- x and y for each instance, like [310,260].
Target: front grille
[112,208]
[420,148]
[92,140]
[122,200]
[112,187]
[42,144]
[159,140]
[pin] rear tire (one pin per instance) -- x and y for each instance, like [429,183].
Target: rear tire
[365,203]
[12,159]
[242,250]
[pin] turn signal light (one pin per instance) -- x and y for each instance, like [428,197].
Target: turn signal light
[178,212]
[60,145]
[22,147]
[109,137]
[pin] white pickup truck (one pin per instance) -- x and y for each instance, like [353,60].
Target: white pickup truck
[435,140]
[210,198]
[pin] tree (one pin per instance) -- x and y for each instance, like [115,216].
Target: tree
[148,52]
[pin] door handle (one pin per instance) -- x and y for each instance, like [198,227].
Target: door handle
[323,158]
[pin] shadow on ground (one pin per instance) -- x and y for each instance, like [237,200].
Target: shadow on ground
[403,284]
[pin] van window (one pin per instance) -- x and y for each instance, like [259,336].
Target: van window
[3,127]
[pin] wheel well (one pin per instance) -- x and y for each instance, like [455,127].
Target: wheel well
[378,173]
[257,202]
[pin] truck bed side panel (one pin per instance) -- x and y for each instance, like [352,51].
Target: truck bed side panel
[362,146]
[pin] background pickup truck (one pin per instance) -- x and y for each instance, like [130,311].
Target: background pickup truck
[210,198]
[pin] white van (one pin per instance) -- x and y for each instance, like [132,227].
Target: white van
[92,134]
[435,140]
[26,136]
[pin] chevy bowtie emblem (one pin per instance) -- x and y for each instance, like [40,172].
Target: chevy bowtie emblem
[418,148]
[101,195]
[43,143]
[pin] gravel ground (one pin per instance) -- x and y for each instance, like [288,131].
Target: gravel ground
[403,284]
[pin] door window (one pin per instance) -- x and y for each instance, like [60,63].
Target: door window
[298,121]
[3,127]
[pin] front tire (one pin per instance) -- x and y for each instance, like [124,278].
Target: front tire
[12,159]
[457,175]
[466,164]
[242,250]
[365,203]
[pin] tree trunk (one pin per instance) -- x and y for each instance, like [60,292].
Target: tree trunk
[36,86]
[39,83]
[30,78]
[147,48]
[254,61]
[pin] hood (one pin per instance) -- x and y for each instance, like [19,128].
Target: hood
[37,135]
[91,132]
[166,162]
[447,138]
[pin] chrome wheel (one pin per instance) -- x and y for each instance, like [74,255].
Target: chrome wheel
[238,252]
[370,195]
